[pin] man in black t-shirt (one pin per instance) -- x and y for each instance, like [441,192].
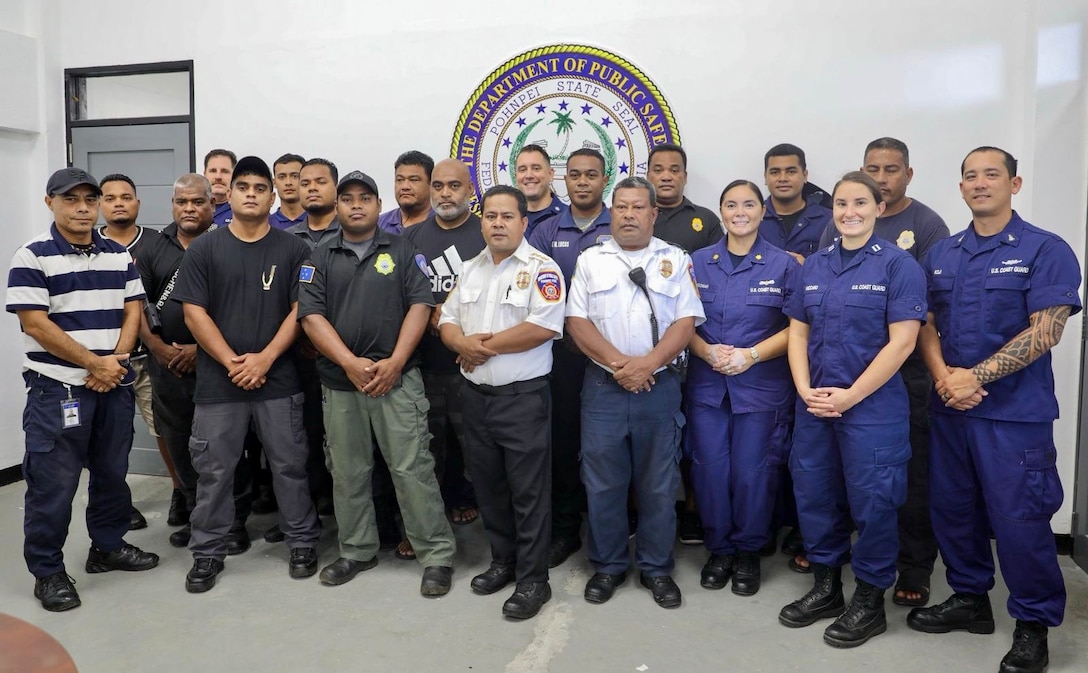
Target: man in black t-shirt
[239,287]
[679,220]
[448,238]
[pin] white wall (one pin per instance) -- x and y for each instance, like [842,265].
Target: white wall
[360,82]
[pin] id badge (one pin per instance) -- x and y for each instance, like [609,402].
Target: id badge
[69,413]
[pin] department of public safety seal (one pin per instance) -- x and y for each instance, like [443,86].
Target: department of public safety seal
[562,97]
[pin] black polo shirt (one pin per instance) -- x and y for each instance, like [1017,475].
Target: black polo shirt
[159,263]
[688,225]
[365,300]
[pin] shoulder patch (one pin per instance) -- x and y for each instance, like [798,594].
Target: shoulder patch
[691,274]
[547,283]
[421,262]
[306,274]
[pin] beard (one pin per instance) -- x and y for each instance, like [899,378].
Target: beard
[319,208]
[451,211]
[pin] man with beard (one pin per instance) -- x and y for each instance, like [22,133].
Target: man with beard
[446,240]
[218,168]
[372,385]
[534,175]
[412,182]
[563,238]
[285,175]
[172,364]
[120,208]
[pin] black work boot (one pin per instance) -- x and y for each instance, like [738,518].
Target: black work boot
[961,612]
[746,575]
[863,619]
[824,600]
[1029,653]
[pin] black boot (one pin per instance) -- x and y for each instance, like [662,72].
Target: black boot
[1029,653]
[863,619]
[746,575]
[824,600]
[961,612]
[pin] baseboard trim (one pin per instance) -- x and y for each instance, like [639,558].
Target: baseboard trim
[10,475]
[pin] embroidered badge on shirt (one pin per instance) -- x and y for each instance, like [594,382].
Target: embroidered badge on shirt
[666,268]
[421,262]
[306,274]
[547,282]
[694,283]
[697,223]
[905,240]
[523,280]
[384,264]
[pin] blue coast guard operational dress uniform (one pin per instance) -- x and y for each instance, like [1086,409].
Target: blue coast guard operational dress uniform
[739,426]
[630,438]
[854,466]
[993,466]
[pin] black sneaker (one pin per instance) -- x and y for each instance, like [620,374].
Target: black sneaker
[1029,653]
[201,576]
[128,558]
[136,521]
[303,562]
[180,537]
[237,539]
[56,592]
[690,528]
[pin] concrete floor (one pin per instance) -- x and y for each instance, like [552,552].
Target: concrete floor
[258,619]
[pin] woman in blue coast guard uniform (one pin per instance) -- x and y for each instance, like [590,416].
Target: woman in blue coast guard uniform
[739,392]
[855,317]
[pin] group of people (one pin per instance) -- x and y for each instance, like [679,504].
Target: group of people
[831,361]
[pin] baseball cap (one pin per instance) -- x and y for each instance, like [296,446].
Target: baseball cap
[66,178]
[357,177]
[251,166]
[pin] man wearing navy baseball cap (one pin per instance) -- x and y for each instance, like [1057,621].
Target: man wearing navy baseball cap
[80,402]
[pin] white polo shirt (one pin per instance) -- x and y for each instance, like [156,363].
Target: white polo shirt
[527,286]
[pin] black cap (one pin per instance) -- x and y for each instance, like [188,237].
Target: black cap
[357,177]
[251,166]
[65,179]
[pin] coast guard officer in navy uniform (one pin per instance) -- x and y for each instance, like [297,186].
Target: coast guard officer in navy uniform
[1000,293]
[739,393]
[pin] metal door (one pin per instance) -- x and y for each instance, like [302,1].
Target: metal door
[153,155]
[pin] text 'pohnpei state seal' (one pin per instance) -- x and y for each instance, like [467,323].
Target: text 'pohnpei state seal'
[563,98]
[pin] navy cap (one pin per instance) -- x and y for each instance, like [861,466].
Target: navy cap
[66,179]
[357,177]
[251,166]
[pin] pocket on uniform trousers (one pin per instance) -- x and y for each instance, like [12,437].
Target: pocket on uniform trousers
[890,478]
[41,421]
[1043,486]
[680,421]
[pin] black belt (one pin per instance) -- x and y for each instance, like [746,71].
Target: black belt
[515,388]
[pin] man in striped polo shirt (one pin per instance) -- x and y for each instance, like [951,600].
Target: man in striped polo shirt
[78,298]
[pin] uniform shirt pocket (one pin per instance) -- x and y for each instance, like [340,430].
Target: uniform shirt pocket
[865,318]
[601,289]
[1004,304]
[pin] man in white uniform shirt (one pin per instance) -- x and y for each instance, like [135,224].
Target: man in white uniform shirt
[500,319]
[633,306]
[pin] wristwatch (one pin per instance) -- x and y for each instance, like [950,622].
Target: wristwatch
[754,353]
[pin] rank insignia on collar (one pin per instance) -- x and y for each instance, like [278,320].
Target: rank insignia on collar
[1011,238]
[759,257]
[716,256]
[384,264]
[523,280]
[665,268]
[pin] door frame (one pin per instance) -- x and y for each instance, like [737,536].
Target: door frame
[75,90]
[1079,528]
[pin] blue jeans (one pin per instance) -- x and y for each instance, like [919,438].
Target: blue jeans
[55,457]
[631,439]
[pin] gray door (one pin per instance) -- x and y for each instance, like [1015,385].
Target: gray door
[153,155]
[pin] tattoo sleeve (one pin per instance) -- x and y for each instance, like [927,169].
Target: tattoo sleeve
[1044,332]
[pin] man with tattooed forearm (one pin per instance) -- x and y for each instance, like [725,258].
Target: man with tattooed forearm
[1000,293]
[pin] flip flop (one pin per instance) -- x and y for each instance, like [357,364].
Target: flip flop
[404,551]
[462,516]
[920,602]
